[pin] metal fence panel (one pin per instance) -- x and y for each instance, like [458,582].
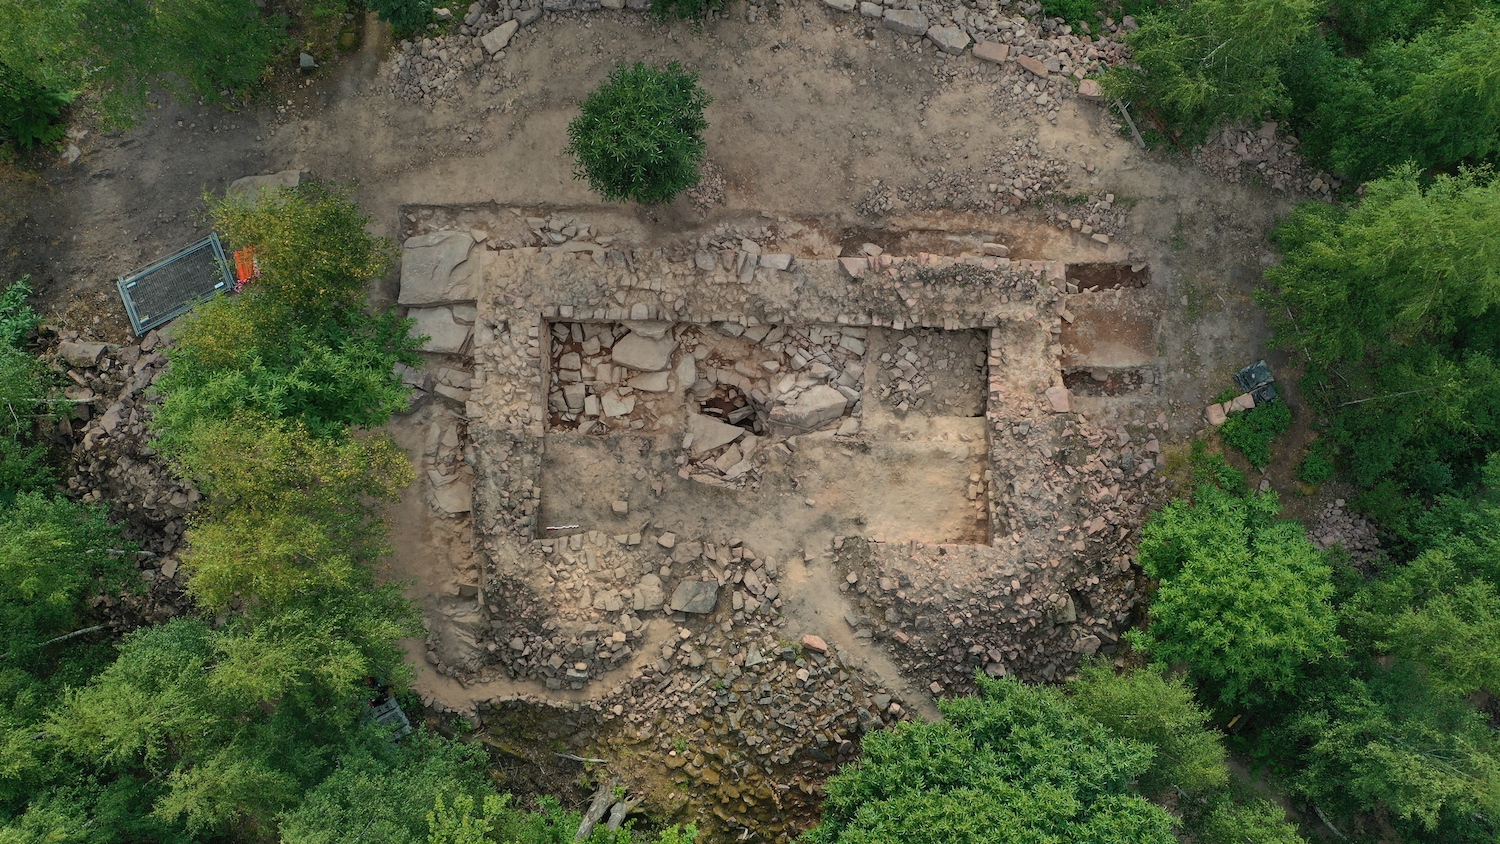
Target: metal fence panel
[172,285]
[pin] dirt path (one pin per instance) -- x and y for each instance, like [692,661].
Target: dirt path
[815,606]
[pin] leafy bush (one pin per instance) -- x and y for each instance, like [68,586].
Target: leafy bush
[639,136]
[17,319]
[29,114]
[404,16]
[1251,431]
[1203,62]
[312,248]
[1071,11]
[1244,597]
[1014,764]
[1255,820]
[297,345]
[1317,466]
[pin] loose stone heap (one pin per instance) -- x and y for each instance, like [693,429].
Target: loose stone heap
[1230,151]
[114,464]
[923,357]
[1335,525]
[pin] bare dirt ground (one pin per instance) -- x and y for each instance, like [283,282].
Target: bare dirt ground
[831,134]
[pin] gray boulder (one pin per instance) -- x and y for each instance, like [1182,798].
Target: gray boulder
[81,355]
[709,433]
[255,184]
[695,596]
[949,39]
[649,594]
[906,21]
[809,411]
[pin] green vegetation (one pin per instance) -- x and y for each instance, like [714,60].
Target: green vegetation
[1148,707]
[1250,432]
[1012,765]
[297,346]
[54,554]
[1244,597]
[1317,466]
[1032,764]
[29,113]
[1393,303]
[116,51]
[405,16]
[1359,690]
[24,387]
[285,509]
[244,721]
[1204,62]
[1366,86]
[639,136]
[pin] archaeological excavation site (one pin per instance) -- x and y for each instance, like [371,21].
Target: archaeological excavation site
[767,421]
[714,497]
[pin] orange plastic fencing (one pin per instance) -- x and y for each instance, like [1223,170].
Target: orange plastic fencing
[244,266]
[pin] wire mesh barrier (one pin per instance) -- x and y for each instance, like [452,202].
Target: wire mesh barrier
[172,285]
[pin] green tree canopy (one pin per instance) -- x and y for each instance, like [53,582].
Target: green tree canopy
[1244,598]
[54,555]
[1390,743]
[229,724]
[1145,706]
[1432,99]
[383,792]
[287,512]
[1014,764]
[297,345]
[1394,303]
[1202,62]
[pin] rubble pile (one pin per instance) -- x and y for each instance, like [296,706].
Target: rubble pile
[1338,525]
[113,464]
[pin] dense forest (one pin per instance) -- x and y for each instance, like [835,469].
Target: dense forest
[1361,698]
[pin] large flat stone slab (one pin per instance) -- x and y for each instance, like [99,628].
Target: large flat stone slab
[642,353]
[446,335]
[812,409]
[436,269]
[709,433]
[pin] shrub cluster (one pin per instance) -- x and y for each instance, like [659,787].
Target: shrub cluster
[639,136]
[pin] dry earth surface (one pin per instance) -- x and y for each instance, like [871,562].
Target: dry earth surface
[949,516]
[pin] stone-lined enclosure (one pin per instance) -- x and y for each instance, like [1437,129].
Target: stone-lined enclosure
[676,458]
[532,319]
